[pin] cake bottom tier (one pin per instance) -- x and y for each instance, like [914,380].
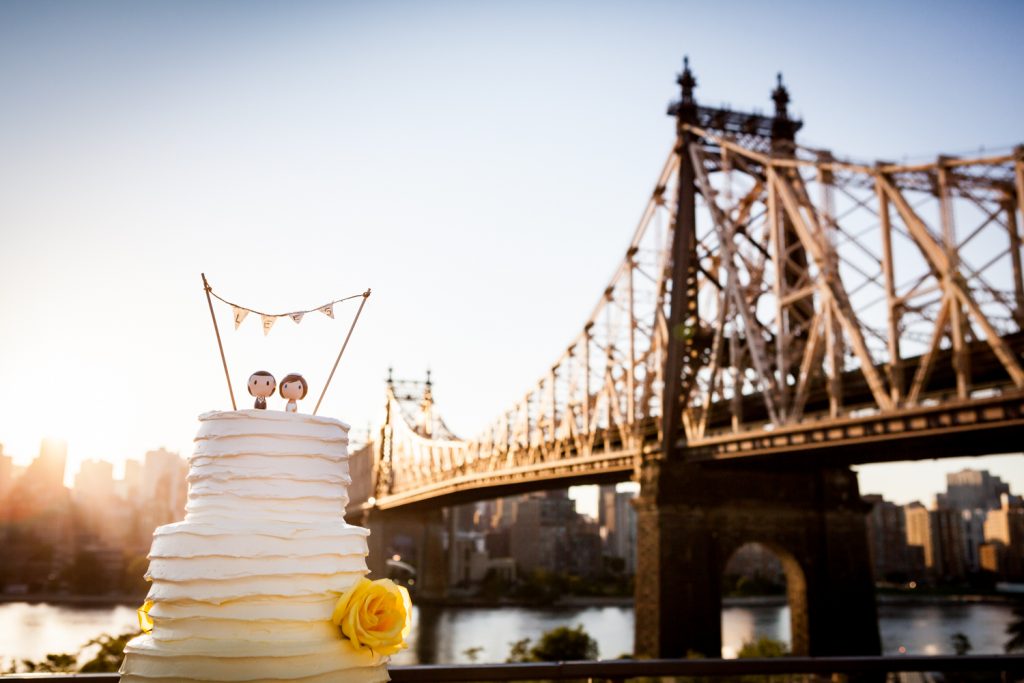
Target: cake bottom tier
[149,661]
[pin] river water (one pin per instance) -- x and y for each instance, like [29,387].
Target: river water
[445,635]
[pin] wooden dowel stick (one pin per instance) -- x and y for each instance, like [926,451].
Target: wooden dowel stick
[216,330]
[366,295]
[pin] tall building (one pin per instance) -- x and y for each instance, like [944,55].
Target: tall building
[1004,532]
[6,474]
[98,520]
[940,535]
[95,479]
[548,534]
[951,542]
[38,521]
[130,488]
[158,489]
[164,486]
[887,540]
[617,519]
[919,533]
[974,537]
[972,490]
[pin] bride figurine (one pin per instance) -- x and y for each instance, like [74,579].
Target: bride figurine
[293,388]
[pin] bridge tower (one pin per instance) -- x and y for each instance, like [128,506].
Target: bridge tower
[692,516]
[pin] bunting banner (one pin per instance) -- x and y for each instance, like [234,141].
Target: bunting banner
[267,320]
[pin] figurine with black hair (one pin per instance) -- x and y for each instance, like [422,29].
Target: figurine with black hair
[261,385]
[293,388]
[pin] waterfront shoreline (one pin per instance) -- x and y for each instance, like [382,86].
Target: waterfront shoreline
[445,634]
[571,601]
[65,599]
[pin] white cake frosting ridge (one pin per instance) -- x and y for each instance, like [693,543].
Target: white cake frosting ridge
[243,589]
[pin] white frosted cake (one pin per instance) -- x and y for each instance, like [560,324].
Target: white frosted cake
[245,587]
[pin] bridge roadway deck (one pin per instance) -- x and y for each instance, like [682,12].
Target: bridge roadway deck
[942,426]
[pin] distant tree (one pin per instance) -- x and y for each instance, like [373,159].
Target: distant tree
[51,664]
[763,647]
[473,653]
[563,643]
[557,645]
[961,643]
[1015,629]
[106,660]
[110,654]
[520,651]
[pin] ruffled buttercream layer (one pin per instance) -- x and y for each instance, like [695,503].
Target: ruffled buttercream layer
[315,607]
[376,674]
[224,567]
[304,511]
[300,468]
[265,488]
[270,423]
[225,660]
[243,589]
[190,539]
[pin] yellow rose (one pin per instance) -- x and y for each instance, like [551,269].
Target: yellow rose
[375,614]
[145,621]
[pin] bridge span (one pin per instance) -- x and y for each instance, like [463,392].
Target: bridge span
[779,315]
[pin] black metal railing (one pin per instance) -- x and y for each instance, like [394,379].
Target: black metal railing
[971,668]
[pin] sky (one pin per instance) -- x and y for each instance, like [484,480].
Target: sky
[480,166]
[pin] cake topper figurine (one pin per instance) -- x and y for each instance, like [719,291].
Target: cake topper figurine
[293,388]
[262,388]
[261,385]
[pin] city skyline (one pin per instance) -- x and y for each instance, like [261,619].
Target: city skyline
[298,156]
[878,479]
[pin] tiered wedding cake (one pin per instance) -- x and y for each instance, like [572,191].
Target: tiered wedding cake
[245,588]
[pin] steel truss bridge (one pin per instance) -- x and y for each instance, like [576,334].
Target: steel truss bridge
[775,301]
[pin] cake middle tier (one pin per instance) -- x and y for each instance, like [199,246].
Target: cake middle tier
[232,559]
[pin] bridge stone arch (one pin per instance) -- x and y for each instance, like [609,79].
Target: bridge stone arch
[691,518]
[796,585]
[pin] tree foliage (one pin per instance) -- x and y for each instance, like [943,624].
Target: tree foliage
[107,659]
[762,647]
[560,644]
[961,643]
[111,652]
[1015,629]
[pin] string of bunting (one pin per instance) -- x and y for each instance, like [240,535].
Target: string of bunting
[268,319]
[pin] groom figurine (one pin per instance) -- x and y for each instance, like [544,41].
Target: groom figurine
[261,385]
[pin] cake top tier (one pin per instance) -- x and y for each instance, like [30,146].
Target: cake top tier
[273,419]
[270,433]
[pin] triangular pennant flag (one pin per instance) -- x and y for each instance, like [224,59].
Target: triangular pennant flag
[268,322]
[297,317]
[327,310]
[240,314]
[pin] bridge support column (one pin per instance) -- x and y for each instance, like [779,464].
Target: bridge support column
[427,529]
[433,561]
[377,544]
[690,520]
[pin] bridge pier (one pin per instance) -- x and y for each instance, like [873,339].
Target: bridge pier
[690,520]
[427,528]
